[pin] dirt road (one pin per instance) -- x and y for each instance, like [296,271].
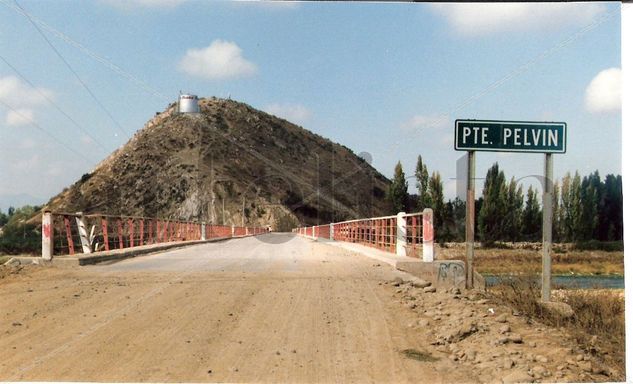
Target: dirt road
[284,309]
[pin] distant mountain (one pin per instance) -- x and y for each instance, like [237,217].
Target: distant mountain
[19,200]
[229,163]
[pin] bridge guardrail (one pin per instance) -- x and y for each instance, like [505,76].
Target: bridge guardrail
[406,234]
[72,233]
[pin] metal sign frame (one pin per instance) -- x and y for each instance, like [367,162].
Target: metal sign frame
[547,199]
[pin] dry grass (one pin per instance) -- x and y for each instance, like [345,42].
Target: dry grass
[598,323]
[528,260]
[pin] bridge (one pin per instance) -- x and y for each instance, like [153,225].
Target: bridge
[341,302]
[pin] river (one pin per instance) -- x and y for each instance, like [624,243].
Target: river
[571,281]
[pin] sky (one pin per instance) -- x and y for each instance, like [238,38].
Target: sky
[78,78]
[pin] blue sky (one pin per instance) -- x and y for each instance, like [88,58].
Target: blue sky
[384,78]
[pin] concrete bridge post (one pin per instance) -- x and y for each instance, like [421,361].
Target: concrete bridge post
[232,230]
[47,235]
[203,231]
[428,235]
[331,231]
[401,234]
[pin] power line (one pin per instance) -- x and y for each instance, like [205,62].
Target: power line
[53,103]
[94,97]
[33,123]
[107,63]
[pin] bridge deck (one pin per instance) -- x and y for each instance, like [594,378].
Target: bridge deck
[276,308]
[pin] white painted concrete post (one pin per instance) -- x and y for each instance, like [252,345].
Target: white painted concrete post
[47,235]
[232,230]
[83,233]
[401,234]
[313,233]
[331,231]
[428,235]
[203,231]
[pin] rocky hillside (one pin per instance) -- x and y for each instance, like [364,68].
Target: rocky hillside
[230,163]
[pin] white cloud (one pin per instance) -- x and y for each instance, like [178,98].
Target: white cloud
[19,117]
[220,60]
[420,123]
[604,92]
[135,4]
[22,98]
[271,4]
[17,93]
[476,19]
[295,113]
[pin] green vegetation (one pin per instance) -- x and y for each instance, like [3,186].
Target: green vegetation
[397,194]
[18,235]
[418,355]
[422,184]
[587,211]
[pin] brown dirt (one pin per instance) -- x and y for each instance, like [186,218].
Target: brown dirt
[333,320]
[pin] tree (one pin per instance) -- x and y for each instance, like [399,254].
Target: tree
[556,228]
[397,195]
[514,209]
[531,220]
[436,195]
[493,207]
[422,183]
[610,226]
[3,218]
[571,207]
[590,193]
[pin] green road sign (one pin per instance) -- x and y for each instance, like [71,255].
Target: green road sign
[510,136]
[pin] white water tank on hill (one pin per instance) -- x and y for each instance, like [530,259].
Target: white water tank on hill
[188,104]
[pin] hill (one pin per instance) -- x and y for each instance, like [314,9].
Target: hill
[229,163]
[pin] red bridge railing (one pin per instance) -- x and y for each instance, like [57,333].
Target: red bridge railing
[404,234]
[69,234]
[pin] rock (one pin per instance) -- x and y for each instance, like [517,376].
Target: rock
[13,262]
[437,318]
[539,371]
[599,371]
[541,359]
[532,344]
[420,283]
[455,291]
[508,363]
[429,290]
[412,305]
[502,319]
[580,357]
[515,338]
[397,281]
[561,309]
[423,323]
[471,355]
[453,357]
[464,331]
[482,301]
[503,340]
[585,366]
[517,377]
[504,329]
